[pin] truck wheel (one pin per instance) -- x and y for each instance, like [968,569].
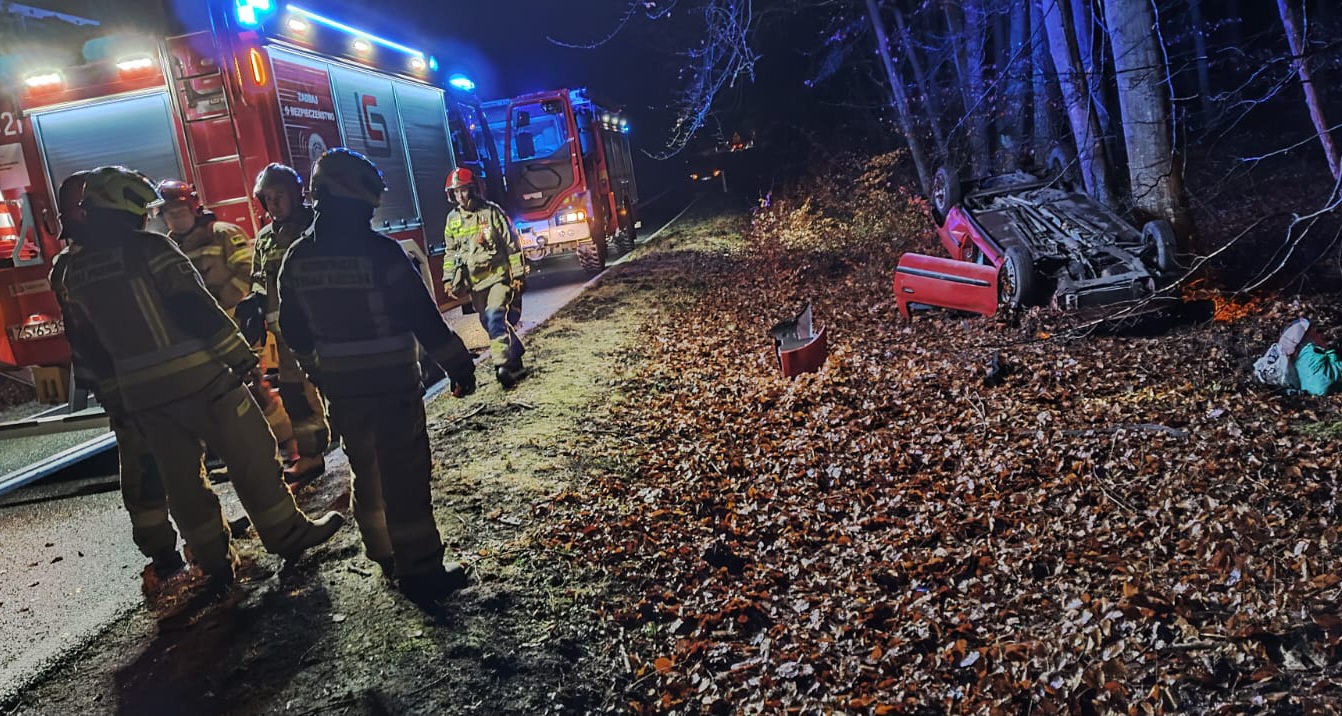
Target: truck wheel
[592,256]
[946,192]
[1158,245]
[628,236]
[1016,279]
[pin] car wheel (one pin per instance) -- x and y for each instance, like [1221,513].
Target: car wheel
[1016,279]
[946,192]
[1062,169]
[1158,245]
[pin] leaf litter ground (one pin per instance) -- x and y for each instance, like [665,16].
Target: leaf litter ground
[657,522]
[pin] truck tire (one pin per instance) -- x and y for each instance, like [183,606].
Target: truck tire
[1159,247]
[628,236]
[592,256]
[1016,279]
[946,192]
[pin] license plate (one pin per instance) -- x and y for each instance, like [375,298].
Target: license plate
[38,331]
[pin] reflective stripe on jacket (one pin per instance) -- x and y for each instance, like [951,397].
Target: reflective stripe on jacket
[222,253]
[272,242]
[138,316]
[353,307]
[484,244]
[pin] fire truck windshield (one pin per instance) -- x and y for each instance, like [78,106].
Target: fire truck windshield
[538,133]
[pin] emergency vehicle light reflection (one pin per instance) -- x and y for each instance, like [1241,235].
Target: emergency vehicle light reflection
[134,64]
[43,80]
[462,82]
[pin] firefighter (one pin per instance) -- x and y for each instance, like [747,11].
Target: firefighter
[486,260]
[352,307]
[220,251]
[141,487]
[134,307]
[280,192]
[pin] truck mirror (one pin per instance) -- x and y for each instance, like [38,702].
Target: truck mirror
[526,145]
[523,119]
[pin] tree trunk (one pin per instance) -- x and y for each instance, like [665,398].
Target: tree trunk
[1076,97]
[955,28]
[931,100]
[1157,182]
[1091,51]
[1199,30]
[1296,41]
[1016,70]
[1040,96]
[902,111]
[977,108]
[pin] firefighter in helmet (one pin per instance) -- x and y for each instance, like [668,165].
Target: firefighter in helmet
[141,486]
[220,251]
[279,190]
[484,258]
[135,308]
[354,311]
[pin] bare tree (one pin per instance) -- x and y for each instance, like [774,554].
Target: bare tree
[1076,97]
[1295,37]
[1198,28]
[1040,98]
[931,95]
[901,100]
[1017,72]
[976,100]
[1156,179]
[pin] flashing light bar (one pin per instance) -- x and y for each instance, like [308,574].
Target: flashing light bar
[135,64]
[249,12]
[362,45]
[462,82]
[334,24]
[43,80]
[418,64]
[433,63]
[298,25]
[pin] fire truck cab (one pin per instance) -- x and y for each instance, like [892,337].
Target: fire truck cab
[570,175]
[268,83]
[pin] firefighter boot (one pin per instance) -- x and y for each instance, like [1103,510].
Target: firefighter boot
[167,563]
[318,531]
[430,589]
[509,374]
[303,470]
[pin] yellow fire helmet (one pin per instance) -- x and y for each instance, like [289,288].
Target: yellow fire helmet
[119,189]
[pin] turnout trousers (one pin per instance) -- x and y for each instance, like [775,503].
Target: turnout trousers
[302,404]
[142,492]
[388,448]
[226,417]
[500,312]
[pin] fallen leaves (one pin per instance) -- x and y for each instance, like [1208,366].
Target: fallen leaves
[1118,525]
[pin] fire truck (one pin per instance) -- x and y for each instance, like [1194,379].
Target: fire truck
[570,174]
[264,83]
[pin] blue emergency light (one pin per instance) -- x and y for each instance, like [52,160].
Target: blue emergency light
[461,82]
[252,12]
[337,25]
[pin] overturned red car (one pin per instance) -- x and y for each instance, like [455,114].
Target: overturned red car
[1021,240]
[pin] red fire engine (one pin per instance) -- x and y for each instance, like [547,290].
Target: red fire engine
[266,83]
[570,174]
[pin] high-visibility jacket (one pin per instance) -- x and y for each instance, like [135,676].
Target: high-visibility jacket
[272,242]
[222,253]
[483,243]
[136,309]
[352,307]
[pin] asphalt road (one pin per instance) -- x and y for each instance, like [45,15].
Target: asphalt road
[68,568]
